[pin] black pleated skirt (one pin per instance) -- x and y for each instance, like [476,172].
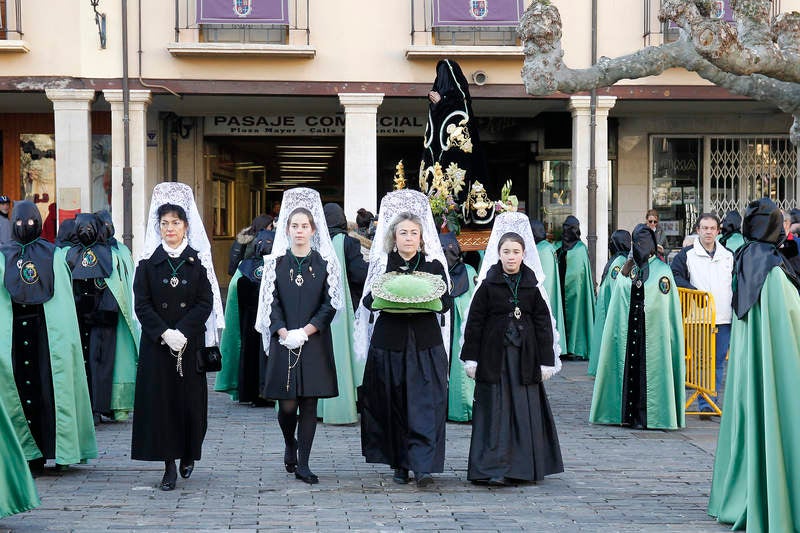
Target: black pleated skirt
[513,431]
[403,406]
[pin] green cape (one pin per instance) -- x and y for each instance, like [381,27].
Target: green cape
[17,490]
[603,297]
[735,242]
[578,301]
[75,438]
[349,370]
[665,364]
[756,481]
[126,354]
[461,389]
[552,284]
[230,344]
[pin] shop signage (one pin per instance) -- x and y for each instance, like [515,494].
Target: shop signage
[243,12]
[312,125]
[477,12]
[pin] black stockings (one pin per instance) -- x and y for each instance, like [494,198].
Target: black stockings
[307,422]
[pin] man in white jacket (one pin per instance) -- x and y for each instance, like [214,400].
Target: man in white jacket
[705,266]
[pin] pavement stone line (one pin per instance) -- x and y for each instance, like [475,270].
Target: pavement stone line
[615,480]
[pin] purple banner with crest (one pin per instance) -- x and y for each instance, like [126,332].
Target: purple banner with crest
[243,12]
[477,12]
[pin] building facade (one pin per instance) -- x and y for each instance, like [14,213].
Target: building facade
[242,99]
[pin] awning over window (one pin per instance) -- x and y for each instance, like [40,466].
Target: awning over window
[477,12]
[243,12]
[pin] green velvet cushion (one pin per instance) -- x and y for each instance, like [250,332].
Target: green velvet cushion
[418,292]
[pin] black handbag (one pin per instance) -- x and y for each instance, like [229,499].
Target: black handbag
[209,359]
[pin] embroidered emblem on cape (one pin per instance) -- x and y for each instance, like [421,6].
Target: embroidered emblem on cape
[258,272]
[615,272]
[100,283]
[478,8]
[634,272]
[664,284]
[89,258]
[242,8]
[28,273]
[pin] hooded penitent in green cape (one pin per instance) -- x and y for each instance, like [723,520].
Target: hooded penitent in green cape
[102,278]
[349,371]
[641,370]
[17,490]
[618,246]
[756,482]
[731,231]
[242,353]
[461,389]
[577,289]
[552,281]
[126,353]
[44,280]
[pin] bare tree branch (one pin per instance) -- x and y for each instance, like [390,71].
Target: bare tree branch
[544,71]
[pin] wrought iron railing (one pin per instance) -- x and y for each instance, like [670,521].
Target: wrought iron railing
[10,19]
[423,30]
[187,29]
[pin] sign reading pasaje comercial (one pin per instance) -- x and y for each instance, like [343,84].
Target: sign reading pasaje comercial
[310,125]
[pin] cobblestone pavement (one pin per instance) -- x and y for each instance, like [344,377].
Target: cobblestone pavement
[615,480]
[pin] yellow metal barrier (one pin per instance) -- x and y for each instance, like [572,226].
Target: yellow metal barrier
[700,332]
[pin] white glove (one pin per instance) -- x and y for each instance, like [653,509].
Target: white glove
[174,339]
[295,338]
[470,367]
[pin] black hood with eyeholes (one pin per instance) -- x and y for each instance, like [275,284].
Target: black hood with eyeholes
[763,229]
[107,230]
[643,247]
[732,223]
[91,257]
[335,219]
[29,275]
[618,244]
[571,233]
[455,264]
[539,233]
[66,236]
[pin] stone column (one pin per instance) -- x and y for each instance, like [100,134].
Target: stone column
[73,127]
[360,151]
[581,146]
[137,112]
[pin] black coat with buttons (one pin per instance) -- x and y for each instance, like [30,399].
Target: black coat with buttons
[170,410]
[491,311]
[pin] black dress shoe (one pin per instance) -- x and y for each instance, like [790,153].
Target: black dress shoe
[186,468]
[168,481]
[424,479]
[400,476]
[290,458]
[303,473]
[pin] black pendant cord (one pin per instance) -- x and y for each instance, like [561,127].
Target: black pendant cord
[514,292]
[410,270]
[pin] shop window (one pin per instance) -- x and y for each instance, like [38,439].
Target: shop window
[101,172]
[677,185]
[222,206]
[38,170]
[556,194]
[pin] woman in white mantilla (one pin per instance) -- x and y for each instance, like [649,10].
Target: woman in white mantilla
[403,397]
[301,291]
[178,305]
[510,348]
